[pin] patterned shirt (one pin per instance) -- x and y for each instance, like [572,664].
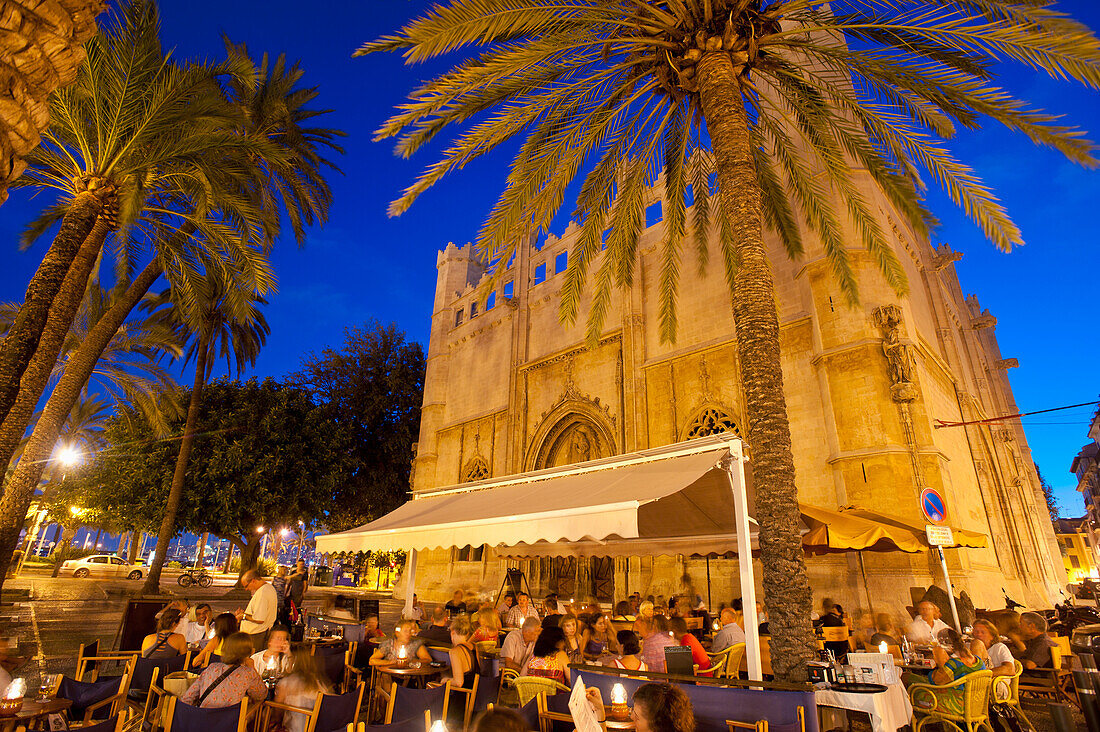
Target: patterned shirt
[244,681]
[653,651]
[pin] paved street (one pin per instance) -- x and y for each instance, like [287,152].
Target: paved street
[50,617]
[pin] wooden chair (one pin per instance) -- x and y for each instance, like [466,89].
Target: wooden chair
[485,646]
[694,623]
[735,726]
[893,649]
[401,698]
[529,687]
[943,704]
[547,717]
[111,724]
[332,662]
[181,717]
[95,697]
[89,658]
[835,634]
[154,713]
[412,724]
[1050,683]
[507,680]
[468,707]
[329,711]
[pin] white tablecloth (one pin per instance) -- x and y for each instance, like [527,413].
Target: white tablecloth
[889,710]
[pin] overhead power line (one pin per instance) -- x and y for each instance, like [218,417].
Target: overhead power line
[991,420]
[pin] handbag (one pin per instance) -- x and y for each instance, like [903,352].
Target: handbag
[1003,718]
[178,682]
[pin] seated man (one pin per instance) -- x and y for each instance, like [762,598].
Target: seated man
[456,605]
[926,627]
[731,632]
[389,650]
[519,644]
[655,639]
[522,609]
[1034,651]
[437,634]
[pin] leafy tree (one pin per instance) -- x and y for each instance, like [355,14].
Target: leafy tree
[221,321]
[374,386]
[1053,508]
[225,222]
[266,455]
[810,115]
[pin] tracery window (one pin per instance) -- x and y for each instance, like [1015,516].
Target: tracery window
[476,469]
[712,421]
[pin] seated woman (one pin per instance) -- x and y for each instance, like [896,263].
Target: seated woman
[630,648]
[954,660]
[987,646]
[885,631]
[225,625]
[599,638]
[548,658]
[573,641]
[225,683]
[463,657]
[277,654]
[371,629]
[166,642]
[300,688]
[488,626]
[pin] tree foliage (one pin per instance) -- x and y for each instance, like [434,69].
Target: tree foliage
[266,455]
[374,385]
[1053,507]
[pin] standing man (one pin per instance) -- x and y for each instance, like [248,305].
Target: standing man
[296,589]
[259,616]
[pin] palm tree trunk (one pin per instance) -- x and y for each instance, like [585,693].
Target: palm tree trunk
[62,548]
[60,319]
[788,596]
[28,471]
[19,346]
[229,558]
[202,549]
[136,541]
[171,507]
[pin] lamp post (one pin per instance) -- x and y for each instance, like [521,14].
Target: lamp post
[263,546]
[68,457]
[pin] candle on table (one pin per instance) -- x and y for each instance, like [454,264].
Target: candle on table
[882,647]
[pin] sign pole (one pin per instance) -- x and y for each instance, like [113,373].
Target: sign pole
[950,589]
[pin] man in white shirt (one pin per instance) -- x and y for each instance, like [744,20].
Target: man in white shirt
[519,643]
[523,609]
[197,630]
[731,632]
[259,616]
[927,625]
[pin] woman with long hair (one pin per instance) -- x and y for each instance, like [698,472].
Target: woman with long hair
[987,645]
[548,658]
[630,649]
[599,637]
[225,625]
[462,654]
[166,642]
[226,682]
[488,626]
[301,687]
[574,648]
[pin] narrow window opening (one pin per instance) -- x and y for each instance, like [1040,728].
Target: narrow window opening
[458,317]
[561,262]
[540,274]
[491,302]
[652,213]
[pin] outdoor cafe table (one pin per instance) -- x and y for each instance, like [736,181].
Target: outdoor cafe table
[33,713]
[412,674]
[889,710]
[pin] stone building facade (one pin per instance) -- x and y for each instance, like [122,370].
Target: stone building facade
[509,389]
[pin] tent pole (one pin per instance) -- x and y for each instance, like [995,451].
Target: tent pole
[410,583]
[866,586]
[710,606]
[950,589]
[735,471]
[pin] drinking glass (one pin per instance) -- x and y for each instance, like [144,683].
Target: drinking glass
[44,685]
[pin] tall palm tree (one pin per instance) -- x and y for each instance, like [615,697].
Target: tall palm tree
[791,104]
[132,124]
[225,322]
[281,171]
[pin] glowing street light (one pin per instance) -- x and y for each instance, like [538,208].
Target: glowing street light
[68,456]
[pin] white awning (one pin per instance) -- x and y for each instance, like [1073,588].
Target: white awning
[657,501]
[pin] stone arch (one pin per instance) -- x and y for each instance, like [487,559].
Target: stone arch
[711,419]
[475,469]
[573,433]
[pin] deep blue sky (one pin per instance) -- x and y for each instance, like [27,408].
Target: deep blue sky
[364,265]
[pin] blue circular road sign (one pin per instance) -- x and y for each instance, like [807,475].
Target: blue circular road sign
[933,505]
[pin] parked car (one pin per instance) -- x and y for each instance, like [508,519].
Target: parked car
[101,565]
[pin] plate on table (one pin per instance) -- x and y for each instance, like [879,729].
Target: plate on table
[859,688]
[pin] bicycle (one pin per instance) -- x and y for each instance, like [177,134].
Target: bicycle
[195,576]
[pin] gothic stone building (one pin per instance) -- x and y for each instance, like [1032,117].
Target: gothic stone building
[508,389]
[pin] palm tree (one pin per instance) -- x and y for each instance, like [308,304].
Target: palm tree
[791,104]
[224,322]
[132,126]
[281,169]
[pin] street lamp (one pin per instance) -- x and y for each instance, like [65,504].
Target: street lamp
[68,456]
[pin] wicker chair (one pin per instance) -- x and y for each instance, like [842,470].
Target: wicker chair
[528,687]
[930,703]
[727,662]
[1006,690]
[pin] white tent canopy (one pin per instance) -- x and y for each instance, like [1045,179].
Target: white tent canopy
[684,498]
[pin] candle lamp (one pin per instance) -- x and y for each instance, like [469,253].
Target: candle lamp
[13,698]
[619,710]
[882,647]
[438,726]
[402,656]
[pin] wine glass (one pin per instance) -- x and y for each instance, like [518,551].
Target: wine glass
[46,682]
